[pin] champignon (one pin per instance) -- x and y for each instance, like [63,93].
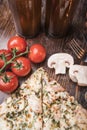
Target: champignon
[78,74]
[60,61]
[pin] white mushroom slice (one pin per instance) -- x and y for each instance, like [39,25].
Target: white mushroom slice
[60,61]
[78,73]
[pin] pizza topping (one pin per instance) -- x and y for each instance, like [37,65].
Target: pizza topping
[60,61]
[35,104]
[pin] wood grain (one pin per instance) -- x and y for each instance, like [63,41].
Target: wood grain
[7,30]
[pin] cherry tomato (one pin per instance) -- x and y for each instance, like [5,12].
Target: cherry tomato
[21,66]
[8,82]
[17,43]
[5,55]
[37,53]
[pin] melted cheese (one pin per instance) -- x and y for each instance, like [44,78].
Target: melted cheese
[35,103]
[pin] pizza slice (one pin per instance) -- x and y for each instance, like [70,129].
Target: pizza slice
[23,110]
[60,110]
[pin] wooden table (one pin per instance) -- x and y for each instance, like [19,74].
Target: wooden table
[7,30]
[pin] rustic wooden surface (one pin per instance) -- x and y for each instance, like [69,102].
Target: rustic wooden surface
[7,30]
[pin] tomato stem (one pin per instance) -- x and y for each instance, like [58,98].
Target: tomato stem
[12,59]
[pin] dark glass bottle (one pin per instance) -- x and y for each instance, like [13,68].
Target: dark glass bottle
[59,16]
[27,16]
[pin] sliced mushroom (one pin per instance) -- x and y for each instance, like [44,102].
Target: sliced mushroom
[60,61]
[78,74]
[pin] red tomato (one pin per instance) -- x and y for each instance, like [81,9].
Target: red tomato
[17,43]
[21,66]
[8,82]
[4,55]
[37,53]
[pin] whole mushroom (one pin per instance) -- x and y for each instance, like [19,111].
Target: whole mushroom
[60,61]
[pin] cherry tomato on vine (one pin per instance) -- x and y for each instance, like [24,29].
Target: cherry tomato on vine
[5,56]
[21,66]
[8,82]
[17,43]
[37,53]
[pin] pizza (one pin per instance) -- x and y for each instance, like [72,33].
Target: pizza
[40,103]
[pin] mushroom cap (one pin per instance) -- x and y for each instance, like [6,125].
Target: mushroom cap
[65,57]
